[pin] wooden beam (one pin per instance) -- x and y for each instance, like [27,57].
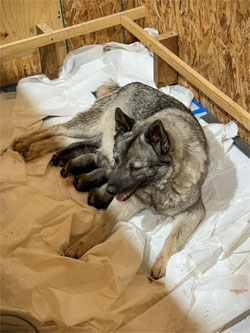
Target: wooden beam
[165,75]
[51,56]
[226,103]
[70,32]
[61,50]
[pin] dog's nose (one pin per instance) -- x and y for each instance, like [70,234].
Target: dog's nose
[111,189]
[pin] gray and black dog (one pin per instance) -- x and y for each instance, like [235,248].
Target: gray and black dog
[140,146]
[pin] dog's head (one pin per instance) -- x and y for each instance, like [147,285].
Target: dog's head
[140,154]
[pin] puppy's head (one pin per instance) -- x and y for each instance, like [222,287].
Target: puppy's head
[140,154]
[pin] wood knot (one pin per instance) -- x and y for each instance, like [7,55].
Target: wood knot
[3,35]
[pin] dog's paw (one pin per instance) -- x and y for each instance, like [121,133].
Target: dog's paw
[21,144]
[28,156]
[35,150]
[158,269]
[77,249]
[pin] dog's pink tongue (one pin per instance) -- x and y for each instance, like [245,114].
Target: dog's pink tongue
[122,197]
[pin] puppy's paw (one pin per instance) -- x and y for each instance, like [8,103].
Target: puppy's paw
[98,199]
[59,158]
[55,160]
[92,198]
[158,269]
[77,249]
[83,183]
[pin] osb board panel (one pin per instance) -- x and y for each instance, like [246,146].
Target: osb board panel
[18,20]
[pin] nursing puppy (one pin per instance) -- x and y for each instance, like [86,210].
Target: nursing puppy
[150,150]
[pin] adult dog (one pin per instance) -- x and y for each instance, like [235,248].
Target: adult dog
[136,144]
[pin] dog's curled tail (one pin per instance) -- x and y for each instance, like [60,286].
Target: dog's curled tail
[106,89]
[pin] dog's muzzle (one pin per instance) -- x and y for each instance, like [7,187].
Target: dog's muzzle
[111,189]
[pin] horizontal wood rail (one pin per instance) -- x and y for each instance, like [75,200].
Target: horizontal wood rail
[226,103]
[70,32]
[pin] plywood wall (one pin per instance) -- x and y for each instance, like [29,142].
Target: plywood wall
[76,11]
[18,20]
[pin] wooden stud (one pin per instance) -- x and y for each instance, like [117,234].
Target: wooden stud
[226,103]
[51,56]
[70,32]
[165,75]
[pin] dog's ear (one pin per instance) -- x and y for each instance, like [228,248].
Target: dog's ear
[123,123]
[157,136]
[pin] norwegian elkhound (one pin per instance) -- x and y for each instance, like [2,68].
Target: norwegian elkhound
[140,146]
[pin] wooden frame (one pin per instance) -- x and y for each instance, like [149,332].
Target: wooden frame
[70,32]
[126,20]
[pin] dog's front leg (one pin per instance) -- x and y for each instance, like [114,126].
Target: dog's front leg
[117,211]
[184,225]
[97,235]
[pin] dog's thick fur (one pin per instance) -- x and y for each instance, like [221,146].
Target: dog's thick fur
[148,147]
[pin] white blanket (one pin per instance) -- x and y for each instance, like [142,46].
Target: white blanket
[206,284]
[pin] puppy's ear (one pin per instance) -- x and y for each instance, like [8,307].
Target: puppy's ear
[157,136]
[123,123]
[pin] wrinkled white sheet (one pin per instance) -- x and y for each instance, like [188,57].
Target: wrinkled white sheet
[206,284]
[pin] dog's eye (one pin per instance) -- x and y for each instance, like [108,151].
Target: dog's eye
[116,158]
[135,168]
